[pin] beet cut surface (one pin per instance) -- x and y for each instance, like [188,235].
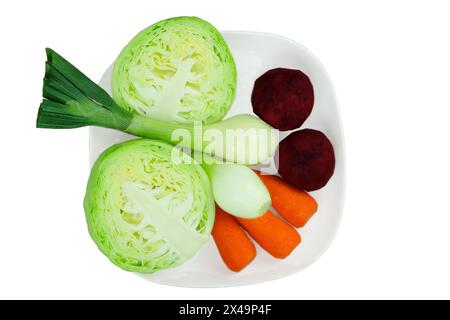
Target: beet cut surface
[283,98]
[306,159]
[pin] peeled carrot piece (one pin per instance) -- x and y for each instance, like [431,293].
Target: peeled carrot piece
[235,247]
[273,234]
[294,205]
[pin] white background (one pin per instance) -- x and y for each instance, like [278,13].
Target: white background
[390,63]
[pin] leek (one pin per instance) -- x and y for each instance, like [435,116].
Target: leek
[72,100]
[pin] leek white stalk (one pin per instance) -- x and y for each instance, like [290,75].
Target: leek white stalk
[237,189]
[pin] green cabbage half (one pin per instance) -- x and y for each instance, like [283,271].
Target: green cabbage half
[144,211]
[179,69]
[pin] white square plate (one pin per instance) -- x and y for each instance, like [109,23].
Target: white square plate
[255,53]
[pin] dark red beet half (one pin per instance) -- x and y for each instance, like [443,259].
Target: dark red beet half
[305,159]
[283,98]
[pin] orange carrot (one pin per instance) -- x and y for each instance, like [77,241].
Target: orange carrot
[273,234]
[294,205]
[235,247]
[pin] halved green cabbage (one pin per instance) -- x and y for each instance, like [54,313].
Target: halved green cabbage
[179,69]
[144,211]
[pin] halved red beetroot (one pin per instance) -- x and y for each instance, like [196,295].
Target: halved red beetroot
[306,159]
[283,98]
